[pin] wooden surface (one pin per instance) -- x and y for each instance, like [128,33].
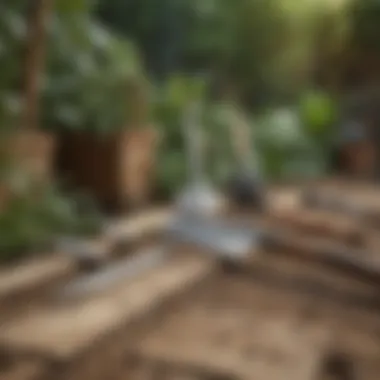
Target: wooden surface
[64,331]
[34,273]
[279,320]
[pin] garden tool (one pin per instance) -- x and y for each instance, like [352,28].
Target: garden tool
[228,241]
[114,273]
[198,197]
[194,220]
[245,186]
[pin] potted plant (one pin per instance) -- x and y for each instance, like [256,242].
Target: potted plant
[107,142]
[22,142]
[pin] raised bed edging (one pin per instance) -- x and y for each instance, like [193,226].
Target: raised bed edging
[63,335]
[25,278]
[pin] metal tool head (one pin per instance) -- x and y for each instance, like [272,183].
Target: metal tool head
[200,199]
[245,190]
[245,187]
[114,273]
[224,240]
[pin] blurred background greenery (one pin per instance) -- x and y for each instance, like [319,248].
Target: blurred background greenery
[287,64]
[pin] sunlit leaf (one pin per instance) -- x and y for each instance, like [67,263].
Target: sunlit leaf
[69,6]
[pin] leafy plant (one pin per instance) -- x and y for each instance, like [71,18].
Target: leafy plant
[286,149]
[35,217]
[12,39]
[89,71]
[318,113]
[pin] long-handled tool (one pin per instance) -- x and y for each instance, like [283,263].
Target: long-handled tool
[194,220]
[246,185]
[198,198]
[192,223]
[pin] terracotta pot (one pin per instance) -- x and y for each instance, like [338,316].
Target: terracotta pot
[118,170]
[32,151]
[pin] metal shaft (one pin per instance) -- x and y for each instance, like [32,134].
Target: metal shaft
[193,139]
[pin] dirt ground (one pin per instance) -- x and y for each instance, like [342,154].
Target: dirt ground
[281,315]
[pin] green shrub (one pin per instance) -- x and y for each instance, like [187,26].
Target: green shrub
[32,221]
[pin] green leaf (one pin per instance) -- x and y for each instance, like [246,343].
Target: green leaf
[70,6]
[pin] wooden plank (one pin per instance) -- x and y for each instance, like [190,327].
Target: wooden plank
[64,331]
[284,199]
[360,201]
[35,273]
[24,370]
[322,223]
[355,262]
[139,225]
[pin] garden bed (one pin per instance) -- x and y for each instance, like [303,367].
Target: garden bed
[187,320]
[283,314]
[27,282]
[73,335]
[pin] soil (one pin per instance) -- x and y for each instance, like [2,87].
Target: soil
[278,316]
[239,329]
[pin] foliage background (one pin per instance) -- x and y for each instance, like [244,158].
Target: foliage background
[287,65]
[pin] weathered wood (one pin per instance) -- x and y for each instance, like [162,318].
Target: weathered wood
[21,278]
[24,370]
[64,332]
[363,210]
[356,262]
[321,286]
[139,225]
[321,223]
[33,273]
[283,199]
[278,316]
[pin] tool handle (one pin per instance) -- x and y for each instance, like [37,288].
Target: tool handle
[241,141]
[194,142]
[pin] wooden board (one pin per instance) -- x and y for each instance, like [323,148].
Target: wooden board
[64,331]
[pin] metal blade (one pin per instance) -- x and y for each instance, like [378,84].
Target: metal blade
[115,273]
[224,240]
